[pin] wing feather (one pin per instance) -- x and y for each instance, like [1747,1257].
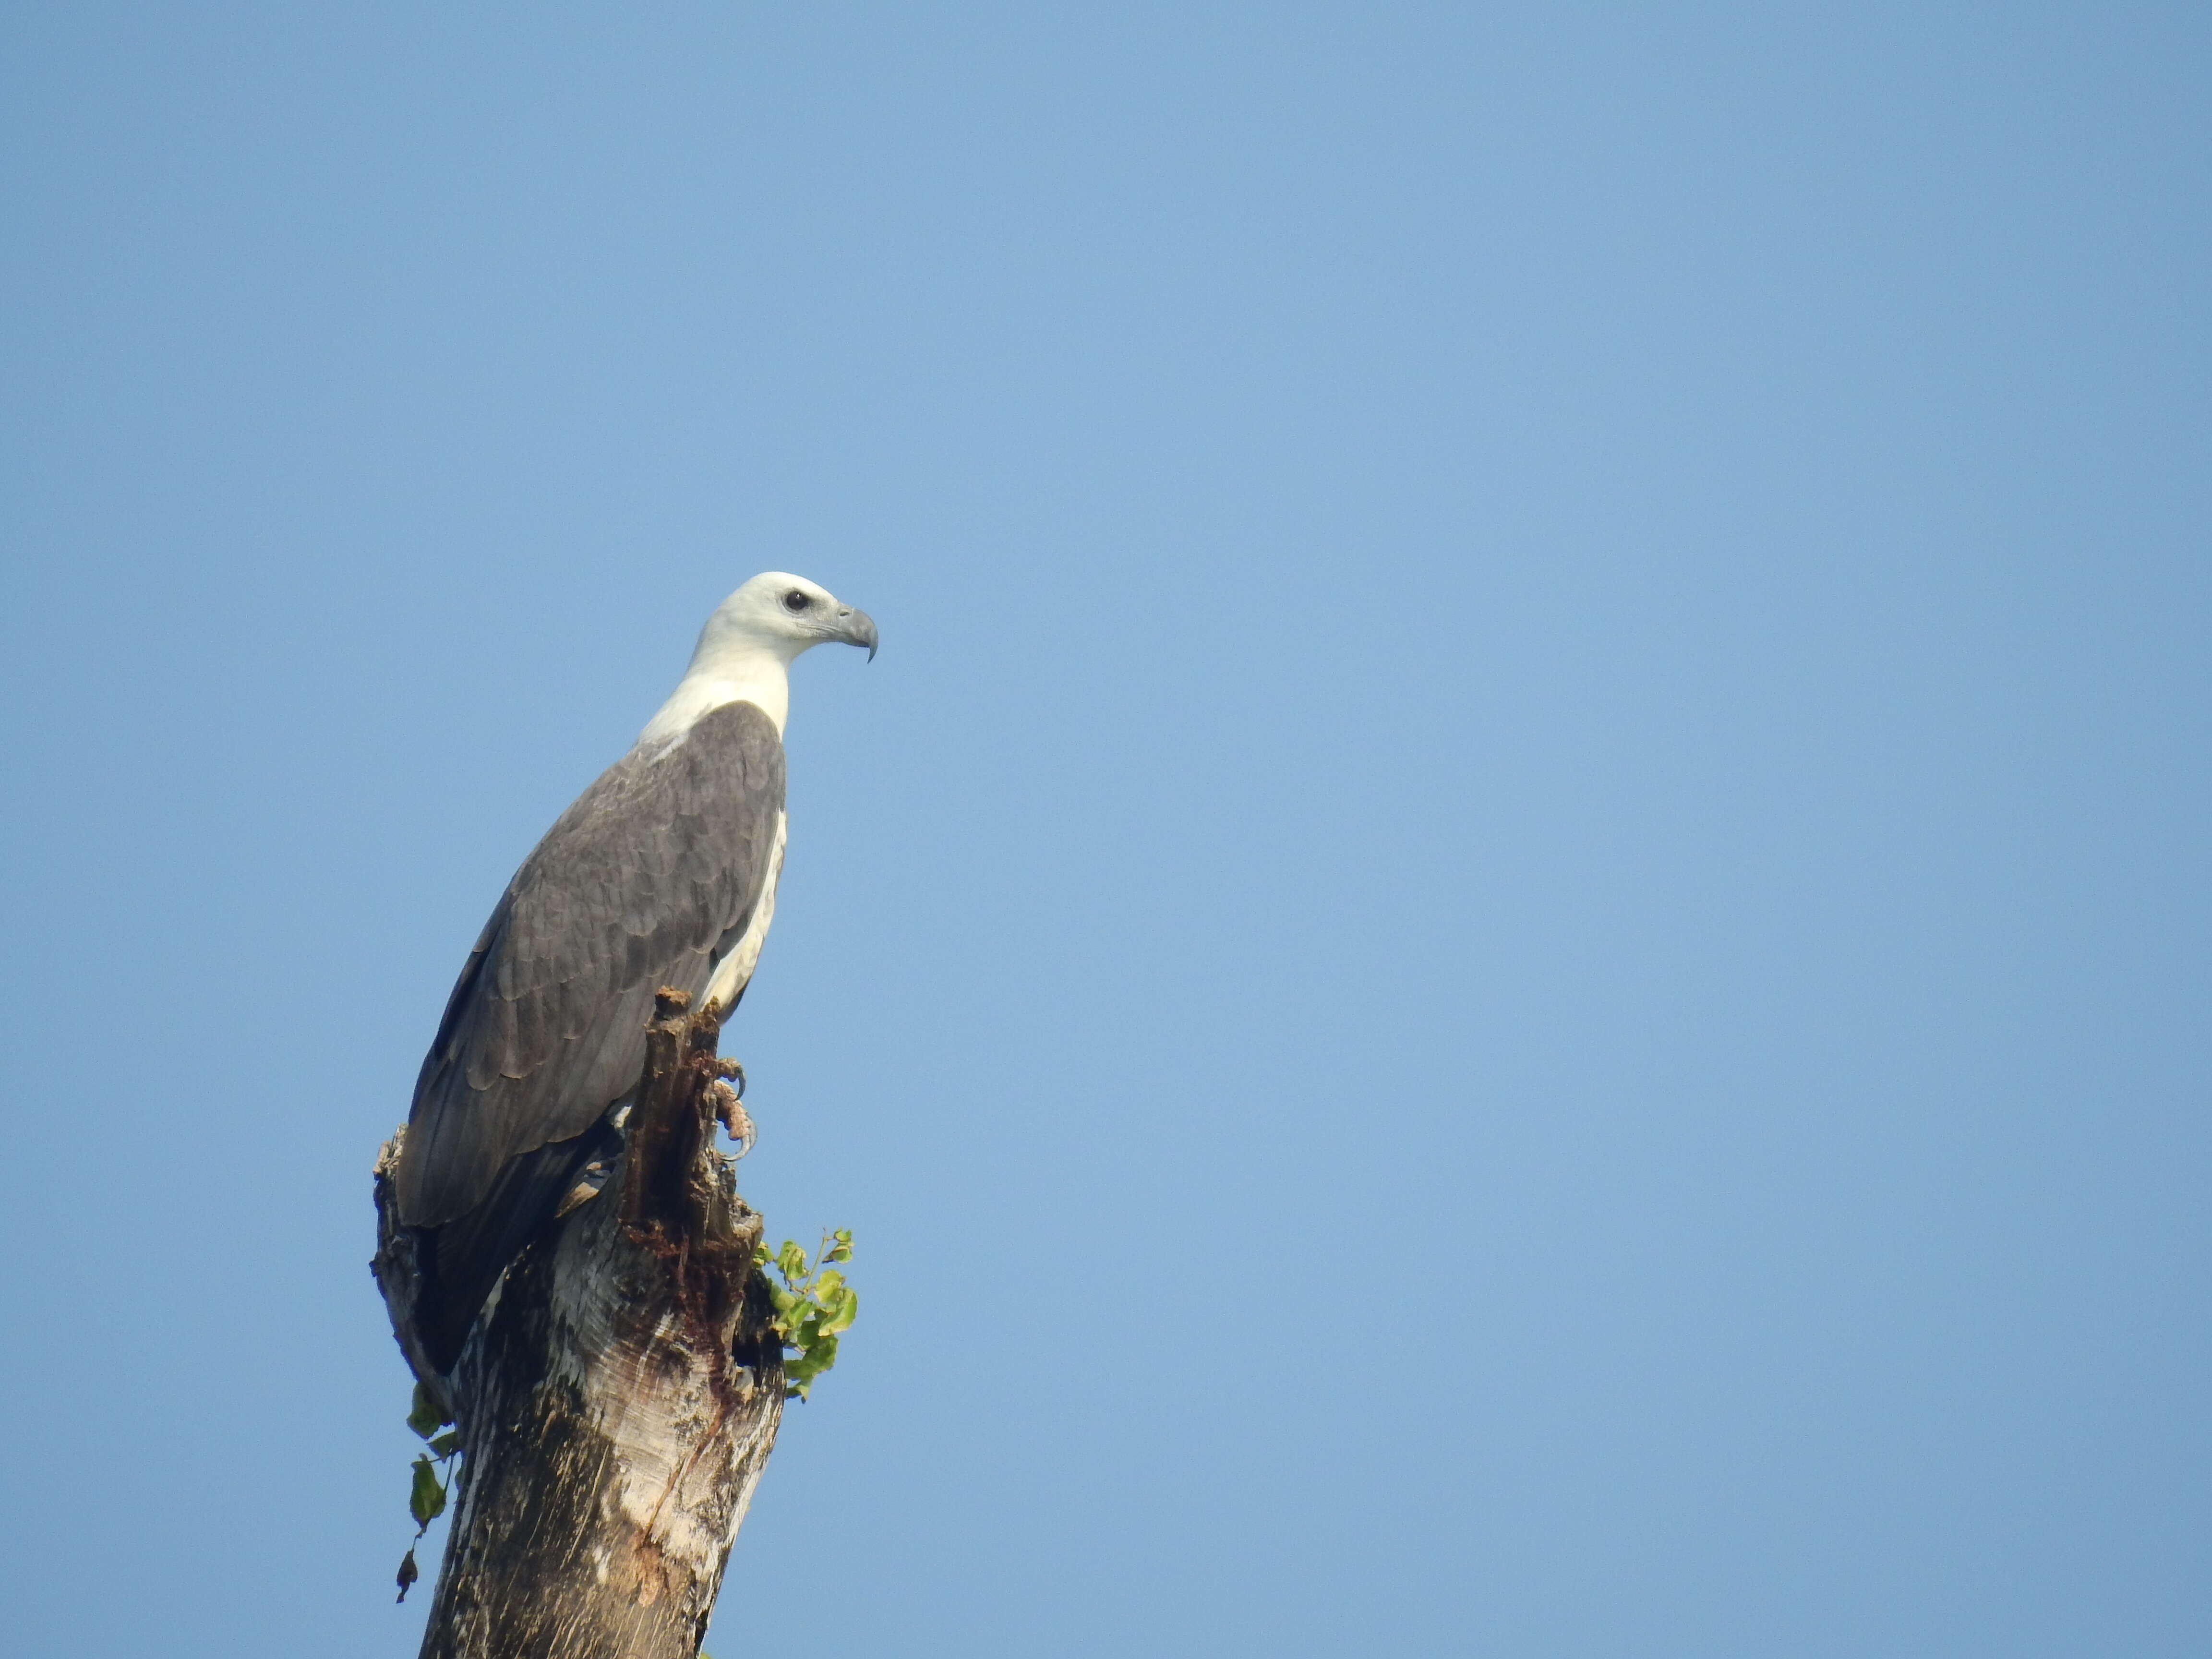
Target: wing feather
[637,885]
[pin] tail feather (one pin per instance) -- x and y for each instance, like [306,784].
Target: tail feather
[461,1260]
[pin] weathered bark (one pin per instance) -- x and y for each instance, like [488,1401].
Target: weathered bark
[617,1401]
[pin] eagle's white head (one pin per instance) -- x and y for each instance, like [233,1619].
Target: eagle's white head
[781,614]
[745,650]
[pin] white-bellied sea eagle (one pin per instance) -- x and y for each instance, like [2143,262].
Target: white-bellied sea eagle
[662,873]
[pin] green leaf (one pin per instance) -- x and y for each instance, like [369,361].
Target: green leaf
[800,1374]
[426,1497]
[446,1444]
[788,1308]
[424,1417]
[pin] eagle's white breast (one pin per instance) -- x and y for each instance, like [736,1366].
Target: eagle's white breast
[733,972]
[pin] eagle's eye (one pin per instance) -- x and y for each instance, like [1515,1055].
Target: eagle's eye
[796,600]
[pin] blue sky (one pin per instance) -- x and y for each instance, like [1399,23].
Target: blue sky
[1508,957]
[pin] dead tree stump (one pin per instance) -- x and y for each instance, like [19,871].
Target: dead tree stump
[618,1398]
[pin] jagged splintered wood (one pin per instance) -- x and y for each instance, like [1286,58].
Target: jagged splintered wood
[618,1399]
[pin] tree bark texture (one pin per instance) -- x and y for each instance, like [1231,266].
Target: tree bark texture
[618,1398]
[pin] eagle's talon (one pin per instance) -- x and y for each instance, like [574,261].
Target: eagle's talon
[736,1121]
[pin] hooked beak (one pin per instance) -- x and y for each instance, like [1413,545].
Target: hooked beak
[857,627]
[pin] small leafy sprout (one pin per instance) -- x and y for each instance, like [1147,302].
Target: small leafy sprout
[426,1489]
[812,1305]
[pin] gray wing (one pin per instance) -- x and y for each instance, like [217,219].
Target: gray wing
[644,882]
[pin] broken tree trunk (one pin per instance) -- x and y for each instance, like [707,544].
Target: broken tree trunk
[618,1398]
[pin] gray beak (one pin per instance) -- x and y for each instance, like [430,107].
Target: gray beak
[857,627]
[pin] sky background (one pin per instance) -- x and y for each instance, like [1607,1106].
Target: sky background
[1510,957]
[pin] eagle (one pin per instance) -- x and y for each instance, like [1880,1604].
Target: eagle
[662,873]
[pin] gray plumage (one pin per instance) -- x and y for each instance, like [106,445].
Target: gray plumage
[649,879]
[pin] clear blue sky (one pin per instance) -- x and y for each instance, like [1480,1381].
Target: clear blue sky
[1510,957]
